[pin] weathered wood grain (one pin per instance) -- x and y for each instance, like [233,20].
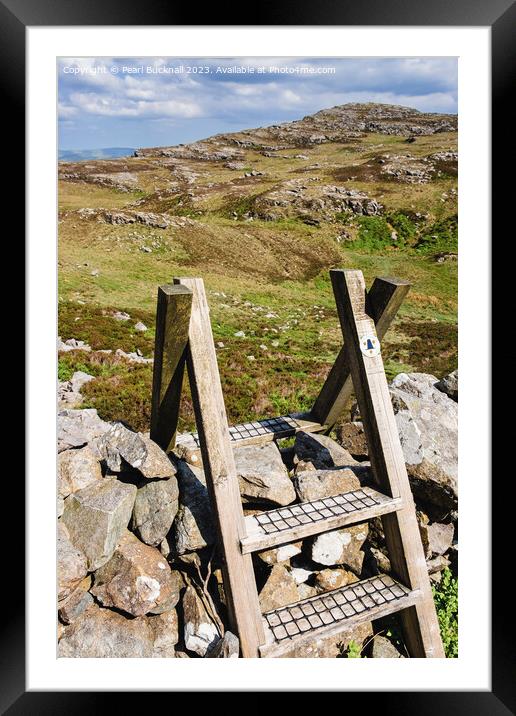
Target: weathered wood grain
[420,624]
[172,323]
[221,478]
[384,299]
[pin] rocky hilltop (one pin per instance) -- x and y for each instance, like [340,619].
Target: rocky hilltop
[334,170]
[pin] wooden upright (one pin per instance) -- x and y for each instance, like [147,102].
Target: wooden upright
[183,336]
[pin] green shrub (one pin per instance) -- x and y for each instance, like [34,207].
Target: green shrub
[374,233]
[442,236]
[446,598]
[352,651]
[404,227]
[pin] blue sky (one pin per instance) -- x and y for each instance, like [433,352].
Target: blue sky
[145,102]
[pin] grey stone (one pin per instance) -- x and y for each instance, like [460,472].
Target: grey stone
[283,553]
[97,516]
[341,547]
[137,579]
[154,510]
[120,444]
[279,589]
[78,379]
[384,649]
[78,427]
[321,451]
[328,579]
[193,526]
[140,327]
[430,429]
[71,563]
[316,484]
[200,633]
[226,648]
[76,469]
[120,447]
[165,633]
[440,537]
[262,475]
[77,602]
[450,385]
[156,463]
[103,633]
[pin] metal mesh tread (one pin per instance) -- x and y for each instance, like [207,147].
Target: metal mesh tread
[334,611]
[262,430]
[306,518]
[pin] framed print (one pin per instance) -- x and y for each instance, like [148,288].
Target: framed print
[257,245]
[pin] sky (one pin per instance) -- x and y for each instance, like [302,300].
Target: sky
[159,101]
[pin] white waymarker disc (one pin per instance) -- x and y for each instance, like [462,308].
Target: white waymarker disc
[370,346]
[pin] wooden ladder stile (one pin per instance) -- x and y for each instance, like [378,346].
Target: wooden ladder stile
[184,337]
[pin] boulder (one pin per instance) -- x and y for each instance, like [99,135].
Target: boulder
[440,537]
[262,475]
[77,602]
[119,445]
[279,589]
[200,633]
[165,634]
[96,518]
[382,648]
[137,579]
[280,554]
[78,427]
[329,579]
[103,633]
[427,422]
[437,564]
[321,451]
[193,526]
[157,463]
[450,385]
[316,484]
[76,469]
[71,563]
[341,547]
[226,648]
[351,436]
[154,510]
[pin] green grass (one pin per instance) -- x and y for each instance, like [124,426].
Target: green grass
[276,267]
[446,599]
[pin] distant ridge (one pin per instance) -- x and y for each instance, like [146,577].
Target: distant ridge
[77,155]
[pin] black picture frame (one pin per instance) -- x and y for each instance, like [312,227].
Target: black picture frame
[500,16]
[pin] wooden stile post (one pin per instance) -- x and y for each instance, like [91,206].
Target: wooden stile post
[420,624]
[384,299]
[221,477]
[172,323]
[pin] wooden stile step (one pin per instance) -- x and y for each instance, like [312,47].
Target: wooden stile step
[287,524]
[259,432]
[333,612]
